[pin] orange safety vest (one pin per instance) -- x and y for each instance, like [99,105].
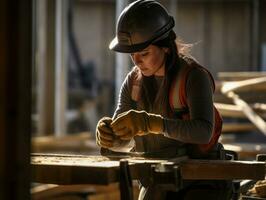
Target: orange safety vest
[180,96]
[180,86]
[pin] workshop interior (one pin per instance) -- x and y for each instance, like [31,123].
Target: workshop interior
[58,78]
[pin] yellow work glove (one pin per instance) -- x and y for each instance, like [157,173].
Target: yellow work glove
[105,137]
[132,122]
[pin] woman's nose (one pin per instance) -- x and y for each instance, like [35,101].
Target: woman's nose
[136,58]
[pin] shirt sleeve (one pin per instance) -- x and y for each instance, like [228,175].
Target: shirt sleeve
[198,129]
[124,99]
[124,104]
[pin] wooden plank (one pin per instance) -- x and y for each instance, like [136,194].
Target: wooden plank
[73,169]
[249,112]
[260,106]
[229,90]
[250,96]
[101,170]
[238,127]
[237,76]
[247,85]
[220,170]
[231,110]
[246,150]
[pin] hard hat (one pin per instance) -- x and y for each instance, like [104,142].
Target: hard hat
[140,24]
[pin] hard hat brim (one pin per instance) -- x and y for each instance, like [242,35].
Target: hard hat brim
[115,46]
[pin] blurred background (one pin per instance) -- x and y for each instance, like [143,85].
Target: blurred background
[59,77]
[76,78]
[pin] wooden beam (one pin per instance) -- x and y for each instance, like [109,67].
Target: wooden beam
[247,150]
[247,85]
[43,89]
[231,110]
[248,111]
[229,90]
[70,169]
[61,56]
[237,76]
[238,127]
[221,170]
[73,169]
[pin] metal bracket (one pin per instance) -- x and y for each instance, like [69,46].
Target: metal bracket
[261,157]
[229,155]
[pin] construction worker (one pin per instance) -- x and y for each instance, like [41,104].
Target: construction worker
[166,101]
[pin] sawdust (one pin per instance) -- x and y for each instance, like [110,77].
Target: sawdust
[73,160]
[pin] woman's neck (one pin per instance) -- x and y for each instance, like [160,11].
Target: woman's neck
[160,71]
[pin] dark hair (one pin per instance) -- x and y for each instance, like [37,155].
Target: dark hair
[148,87]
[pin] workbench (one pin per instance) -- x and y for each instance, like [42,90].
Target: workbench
[82,169]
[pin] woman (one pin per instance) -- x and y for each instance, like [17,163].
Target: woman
[148,117]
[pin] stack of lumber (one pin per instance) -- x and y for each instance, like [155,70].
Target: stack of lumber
[241,99]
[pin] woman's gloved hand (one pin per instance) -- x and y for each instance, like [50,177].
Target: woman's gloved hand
[105,137]
[132,122]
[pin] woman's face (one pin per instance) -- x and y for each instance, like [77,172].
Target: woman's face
[151,60]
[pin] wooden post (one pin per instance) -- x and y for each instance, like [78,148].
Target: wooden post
[44,64]
[15,98]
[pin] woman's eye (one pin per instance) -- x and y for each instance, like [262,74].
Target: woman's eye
[144,54]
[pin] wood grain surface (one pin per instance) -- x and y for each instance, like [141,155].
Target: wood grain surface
[79,169]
